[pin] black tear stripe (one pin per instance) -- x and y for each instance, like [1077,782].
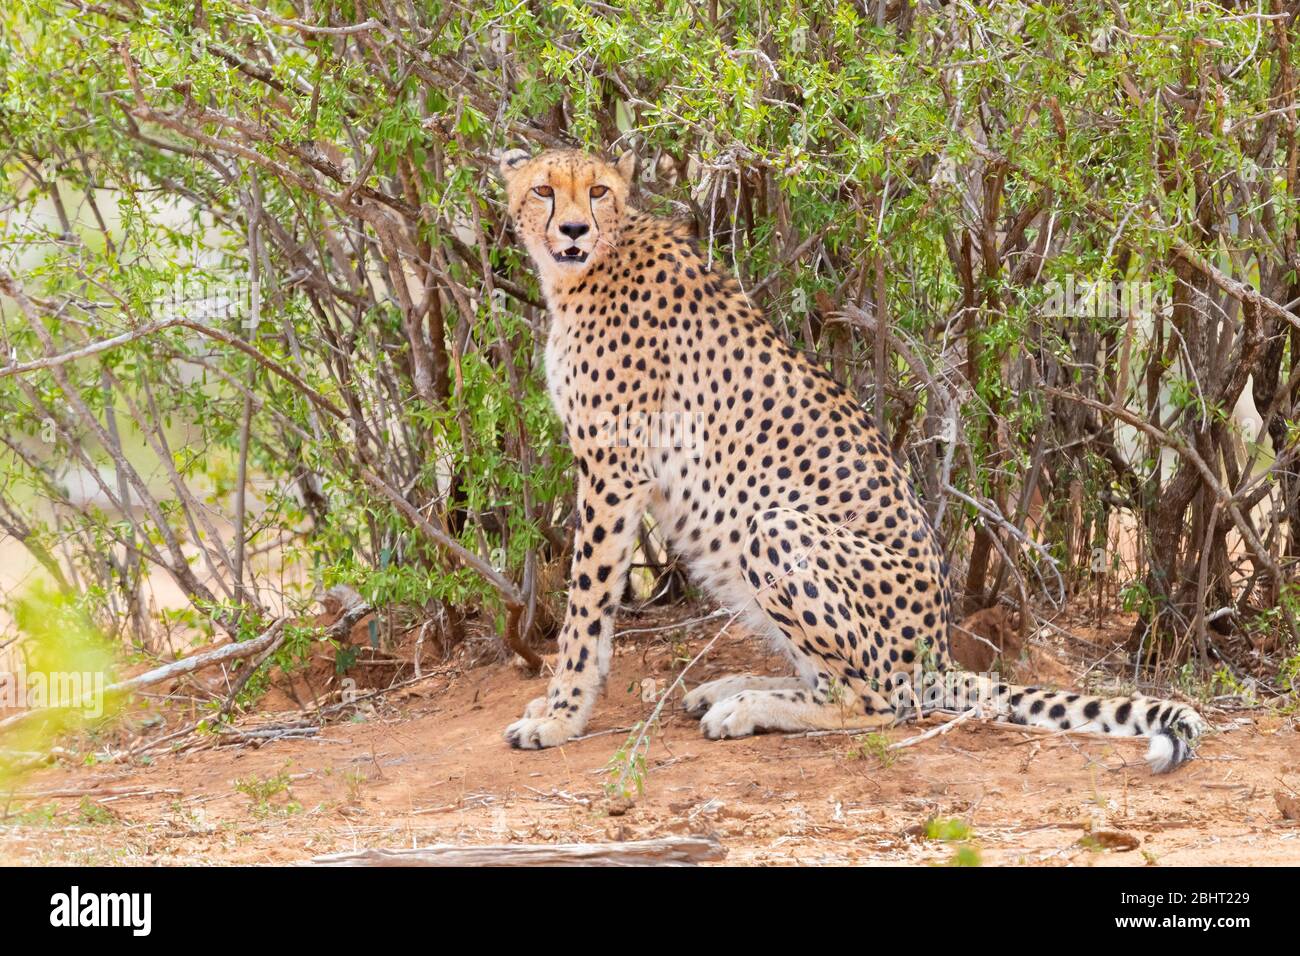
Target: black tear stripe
[595,226]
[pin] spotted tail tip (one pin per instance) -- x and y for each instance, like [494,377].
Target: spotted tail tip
[1167,751]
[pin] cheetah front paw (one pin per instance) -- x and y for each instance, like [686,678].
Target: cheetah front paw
[537,733]
[536,707]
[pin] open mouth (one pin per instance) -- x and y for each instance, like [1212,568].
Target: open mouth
[571,254]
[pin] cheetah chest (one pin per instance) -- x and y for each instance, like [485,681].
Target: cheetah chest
[558,370]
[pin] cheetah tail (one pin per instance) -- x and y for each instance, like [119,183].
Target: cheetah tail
[1173,727]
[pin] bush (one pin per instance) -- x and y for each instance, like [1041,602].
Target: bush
[1020,234]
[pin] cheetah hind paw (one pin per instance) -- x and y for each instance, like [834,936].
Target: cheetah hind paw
[735,716]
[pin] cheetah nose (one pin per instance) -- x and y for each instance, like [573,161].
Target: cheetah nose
[574,230]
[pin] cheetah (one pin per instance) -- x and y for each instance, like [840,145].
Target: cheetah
[778,491]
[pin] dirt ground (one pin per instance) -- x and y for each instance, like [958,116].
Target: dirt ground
[426,764]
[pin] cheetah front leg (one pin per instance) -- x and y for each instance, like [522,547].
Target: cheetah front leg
[611,503]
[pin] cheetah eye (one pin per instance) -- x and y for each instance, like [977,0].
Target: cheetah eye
[546,192]
[598,191]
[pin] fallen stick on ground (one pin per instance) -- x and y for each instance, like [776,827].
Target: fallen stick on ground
[89,792]
[265,641]
[937,731]
[670,851]
[601,733]
[271,733]
[186,665]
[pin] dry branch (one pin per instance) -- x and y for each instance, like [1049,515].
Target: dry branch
[105,345]
[94,792]
[670,851]
[187,665]
[230,652]
[936,731]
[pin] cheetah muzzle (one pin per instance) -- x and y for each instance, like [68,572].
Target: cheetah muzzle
[775,487]
[571,254]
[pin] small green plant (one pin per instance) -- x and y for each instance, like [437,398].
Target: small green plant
[1098,799]
[1277,620]
[1136,597]
[38,816]
[681,652]
[953,830]
[837,694]
[1187,679]
[872,745]
[966,855]
[262,792]
[1092,843]
[344,658]
[925,656]
[92,814]
[947,829]
[354,780]
[1225,681]
[626,770]
[1288,674]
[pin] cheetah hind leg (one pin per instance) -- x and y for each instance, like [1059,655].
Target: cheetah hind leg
[706,695]
[790,711]
[795,563]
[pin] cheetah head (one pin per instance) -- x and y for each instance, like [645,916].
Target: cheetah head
[567,207]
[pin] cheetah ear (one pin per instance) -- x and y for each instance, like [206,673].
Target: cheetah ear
[512,159]
[626,165]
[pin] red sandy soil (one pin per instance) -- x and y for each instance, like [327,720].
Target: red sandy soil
[426,764]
